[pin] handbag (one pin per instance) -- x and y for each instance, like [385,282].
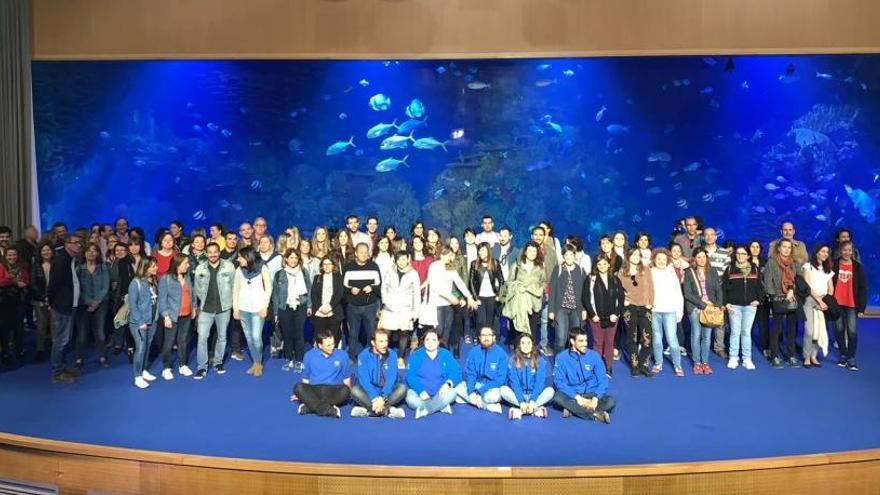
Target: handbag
[781,305]
[123,314]
[833,311]
[711,316]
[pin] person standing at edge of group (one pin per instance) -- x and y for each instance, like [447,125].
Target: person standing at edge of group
[39,299]
[567,297]
[580,381]
[63,295]
[851,293]
[213,286]
[14,281]
[363,284]
[378,391]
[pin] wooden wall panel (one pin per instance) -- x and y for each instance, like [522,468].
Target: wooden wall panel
[126,29]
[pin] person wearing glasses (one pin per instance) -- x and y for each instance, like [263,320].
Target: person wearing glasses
[743,293]
[63,295]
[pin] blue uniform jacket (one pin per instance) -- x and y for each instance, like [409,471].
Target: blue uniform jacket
[368,372]
[451,371]
[580,374]
[526,381]
[487,366]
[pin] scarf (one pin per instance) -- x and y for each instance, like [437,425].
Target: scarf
[745,267]
[296,286]
[785,264]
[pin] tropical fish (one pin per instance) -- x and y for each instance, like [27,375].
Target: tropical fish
[781,179]
[467,183]
[439,192]
[685,82]
[380,102]
[566,191]
[659,156]
[411,125]
[543,83]
[544,66]
[257,184]
[788,78]
[693,167]
[478,85]
[104,135]
[824,75]
[709,61]
[440,70]
[343,116]
[553,125]
[674,173]
[707,90]
[199,215]
[636,218]
[820,217]
[650,178]
[396,142]
[226,132]
[469,77]
[224,204]
[678,186]
[429,143]
[457,134]
[709,198]
[864,203]
[390,164]
[681,203]
[771,186]
[213,127]
[473,70]
[380,129]
[415,109]
[364,83]
[538,165]
[568,73]
[617,129]
[347,89]
[600,113]
[759,209]
[744,85]
[237,206]
[340,147]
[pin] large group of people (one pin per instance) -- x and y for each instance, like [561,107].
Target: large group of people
[385,303]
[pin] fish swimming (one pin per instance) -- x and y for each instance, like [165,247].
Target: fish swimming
[659,156]
[543,83]
[441,70]
[707,90]
[104,135]
[396,142]
[411,125]
[439,192]
[538,165]
[553,125]
[864,203]
[693,167]
[380,102]
[226,132]
[709,61]
[389,164]
[824,75]
[617,129]
[340,147]
[600,113]
[478,85]
[429,143]
[415,109]
[568,73]
[771,186]
[544,66]
[213,127]
[364,83]
[380,129]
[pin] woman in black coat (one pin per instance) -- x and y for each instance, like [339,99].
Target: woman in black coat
[327,296]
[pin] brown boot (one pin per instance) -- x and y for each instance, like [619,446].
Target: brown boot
[258,370]
[250,371]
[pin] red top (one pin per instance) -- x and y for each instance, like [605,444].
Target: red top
[6,278]
[421,267]
[185,301]
[843,291]
[163,262]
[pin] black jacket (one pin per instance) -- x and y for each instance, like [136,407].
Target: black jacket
[558,281]
[603,301]
[741,290]
[38,287]
[475,277]
[60,288]
[335,299]
[860,287]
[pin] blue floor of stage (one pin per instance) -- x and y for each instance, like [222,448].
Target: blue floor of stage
[732,414]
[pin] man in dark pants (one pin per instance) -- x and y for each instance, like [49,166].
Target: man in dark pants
[63,295]
[378,390]
[581,382]
[362,282]
[326,378]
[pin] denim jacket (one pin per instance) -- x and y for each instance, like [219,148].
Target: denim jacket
[141,303]
[93,286]
[279,292]
[225,279]
[171,294]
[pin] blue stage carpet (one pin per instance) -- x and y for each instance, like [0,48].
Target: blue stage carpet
[729,415]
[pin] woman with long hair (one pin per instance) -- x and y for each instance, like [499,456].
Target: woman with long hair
[443,282]
[342,251]
[309,263]
[251,294]
[91,314]
[819,275]
[327,294]
[421,260]
[291,305]
[485,281]
[14,280]
[668,309]
[320,242]
[165,252]
[382,255]
[433,242]
[522,303]
[762,315]
[779,284]
[638,286]
[526,390]
[39,297]
[702,289]
[143,295]
[177,308]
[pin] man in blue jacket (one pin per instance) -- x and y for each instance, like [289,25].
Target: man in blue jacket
[484,374]
[580,381]
[325,380]
[378,390]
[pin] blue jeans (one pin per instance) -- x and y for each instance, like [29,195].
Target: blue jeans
[252,326]
[741,319]
[488,396]
[544,320]
[355,316]
[664,324]
[142,341]
[203,328]
[433,404]
[542,399]
[845,332]
[61,333]
[701,339]
[565,320]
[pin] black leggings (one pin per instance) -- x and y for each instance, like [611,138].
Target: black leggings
[790,334]
[321,399]
[293,325]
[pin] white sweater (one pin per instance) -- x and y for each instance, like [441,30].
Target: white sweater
[667,292]
[440,281]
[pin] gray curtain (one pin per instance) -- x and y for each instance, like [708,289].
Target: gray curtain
[16,117]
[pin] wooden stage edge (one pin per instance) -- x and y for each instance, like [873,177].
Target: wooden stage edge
[18,443]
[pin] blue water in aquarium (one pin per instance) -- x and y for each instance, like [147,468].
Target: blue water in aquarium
[591,144]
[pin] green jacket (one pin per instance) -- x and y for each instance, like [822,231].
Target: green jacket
[523,295]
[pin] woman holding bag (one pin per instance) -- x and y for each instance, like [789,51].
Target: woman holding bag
[702,291]
[779,284]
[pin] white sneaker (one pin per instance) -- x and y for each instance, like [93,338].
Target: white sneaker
[359,412]
[447,409]
[748,364]
[515,413]
[167,374]
[337,412]
[495,408]
[667,352]
[683,351]
[732,363]
[148,376]
[421,413]
[184,371]
[396,413]
[139,382]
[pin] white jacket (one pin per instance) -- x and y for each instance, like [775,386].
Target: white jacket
[401,294]
[667,292]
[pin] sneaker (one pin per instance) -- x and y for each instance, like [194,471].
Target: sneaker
[359,412]
[748,364]
[683,351]
[707,370]
[200,374]
[166,374]
[219,369]
[139,382]
[298,367]
[733,363]
[667,352]
[602,417]
[396,413]
[616,355]
[634,372]
[766,354]
[238,356]
[842,362]
[302,409]
[679,372]
[421,413]
[336,412]
[401,364]
[698,369]
[467,340]
[794,363]
[566,413]
[287,366]
[541,412]
[447,409]
[851,365]
[495,408]
[184,371]
[148,376]
[656,369]
[63,378]
[776,363]
[514,413]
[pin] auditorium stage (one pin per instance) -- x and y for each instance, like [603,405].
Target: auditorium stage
[727,416]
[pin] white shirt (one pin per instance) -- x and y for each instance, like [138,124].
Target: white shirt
[440,281]
[818,279]
[75,282]
[667,292]
[490,237]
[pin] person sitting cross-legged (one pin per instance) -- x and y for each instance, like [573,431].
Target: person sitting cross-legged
[580,380]
[484,374]
[326,378]
[432,376]
[378,390]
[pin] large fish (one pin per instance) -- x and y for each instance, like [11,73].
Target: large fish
[340,147]
[380,129]
[617,129]
[863,202]
[389,164]
[396,142]
[415,109]
[380,102]
[429,143]
[411,125]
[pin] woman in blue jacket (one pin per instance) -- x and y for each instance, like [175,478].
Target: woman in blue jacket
[291,305]
[91,315]
[526,388]
[177,308]
[143,312]
[432,376]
